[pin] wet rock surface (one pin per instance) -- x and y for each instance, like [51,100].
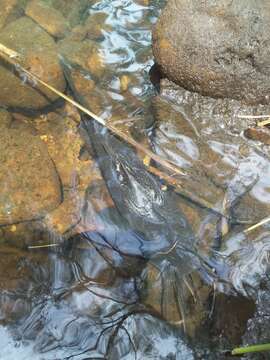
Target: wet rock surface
[85,54]
[188,311]
[260,134]
[73,11]
[60,137]
[7,7]
[25,194]
[24,234]
[20,285]
[210,132]
[61,134]
[39,55]
[216,48]
[204,133]
[230,316]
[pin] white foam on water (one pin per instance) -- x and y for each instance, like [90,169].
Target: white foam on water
[13,350]
[23,350]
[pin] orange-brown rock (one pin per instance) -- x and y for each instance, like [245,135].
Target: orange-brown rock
[64,143]
[261,134]
[95,24]
[39,53]
[29,183]
[86,54]
[7,6]
[48,18]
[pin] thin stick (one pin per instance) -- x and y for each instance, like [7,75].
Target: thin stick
[42,246]
[253,116]
[259,123]
[168,178]
[254,227]
[9,54]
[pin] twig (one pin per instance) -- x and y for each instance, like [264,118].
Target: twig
[42,246]
[9,54]
[254,227]
[259,123]
[253,116]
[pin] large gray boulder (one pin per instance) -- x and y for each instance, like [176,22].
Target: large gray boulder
[219,48]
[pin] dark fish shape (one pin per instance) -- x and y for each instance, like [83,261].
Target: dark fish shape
[137,194]
[149,223]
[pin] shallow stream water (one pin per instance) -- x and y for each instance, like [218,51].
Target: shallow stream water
[104,259]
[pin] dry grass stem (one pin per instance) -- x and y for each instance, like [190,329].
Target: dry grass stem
[9,55]
[42,246]
[253,116]
[254,227]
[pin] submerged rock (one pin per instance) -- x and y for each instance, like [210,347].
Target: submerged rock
[24,234]
[86,54]
[95,26]
[7,6]
[72,10]
[20,277]
[229,317]
[39,54]
[257,331]
[60,137]
[29,183]
[183,304]
[217,48]
[261,134]
[48,18]
[177,139]
[205,136]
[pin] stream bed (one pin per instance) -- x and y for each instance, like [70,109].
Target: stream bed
[101,257]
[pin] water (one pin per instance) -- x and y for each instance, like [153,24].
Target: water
[103,259]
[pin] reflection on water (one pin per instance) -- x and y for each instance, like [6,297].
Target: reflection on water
[135,269]
[89,308]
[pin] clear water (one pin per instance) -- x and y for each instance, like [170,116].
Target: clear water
[141,274]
